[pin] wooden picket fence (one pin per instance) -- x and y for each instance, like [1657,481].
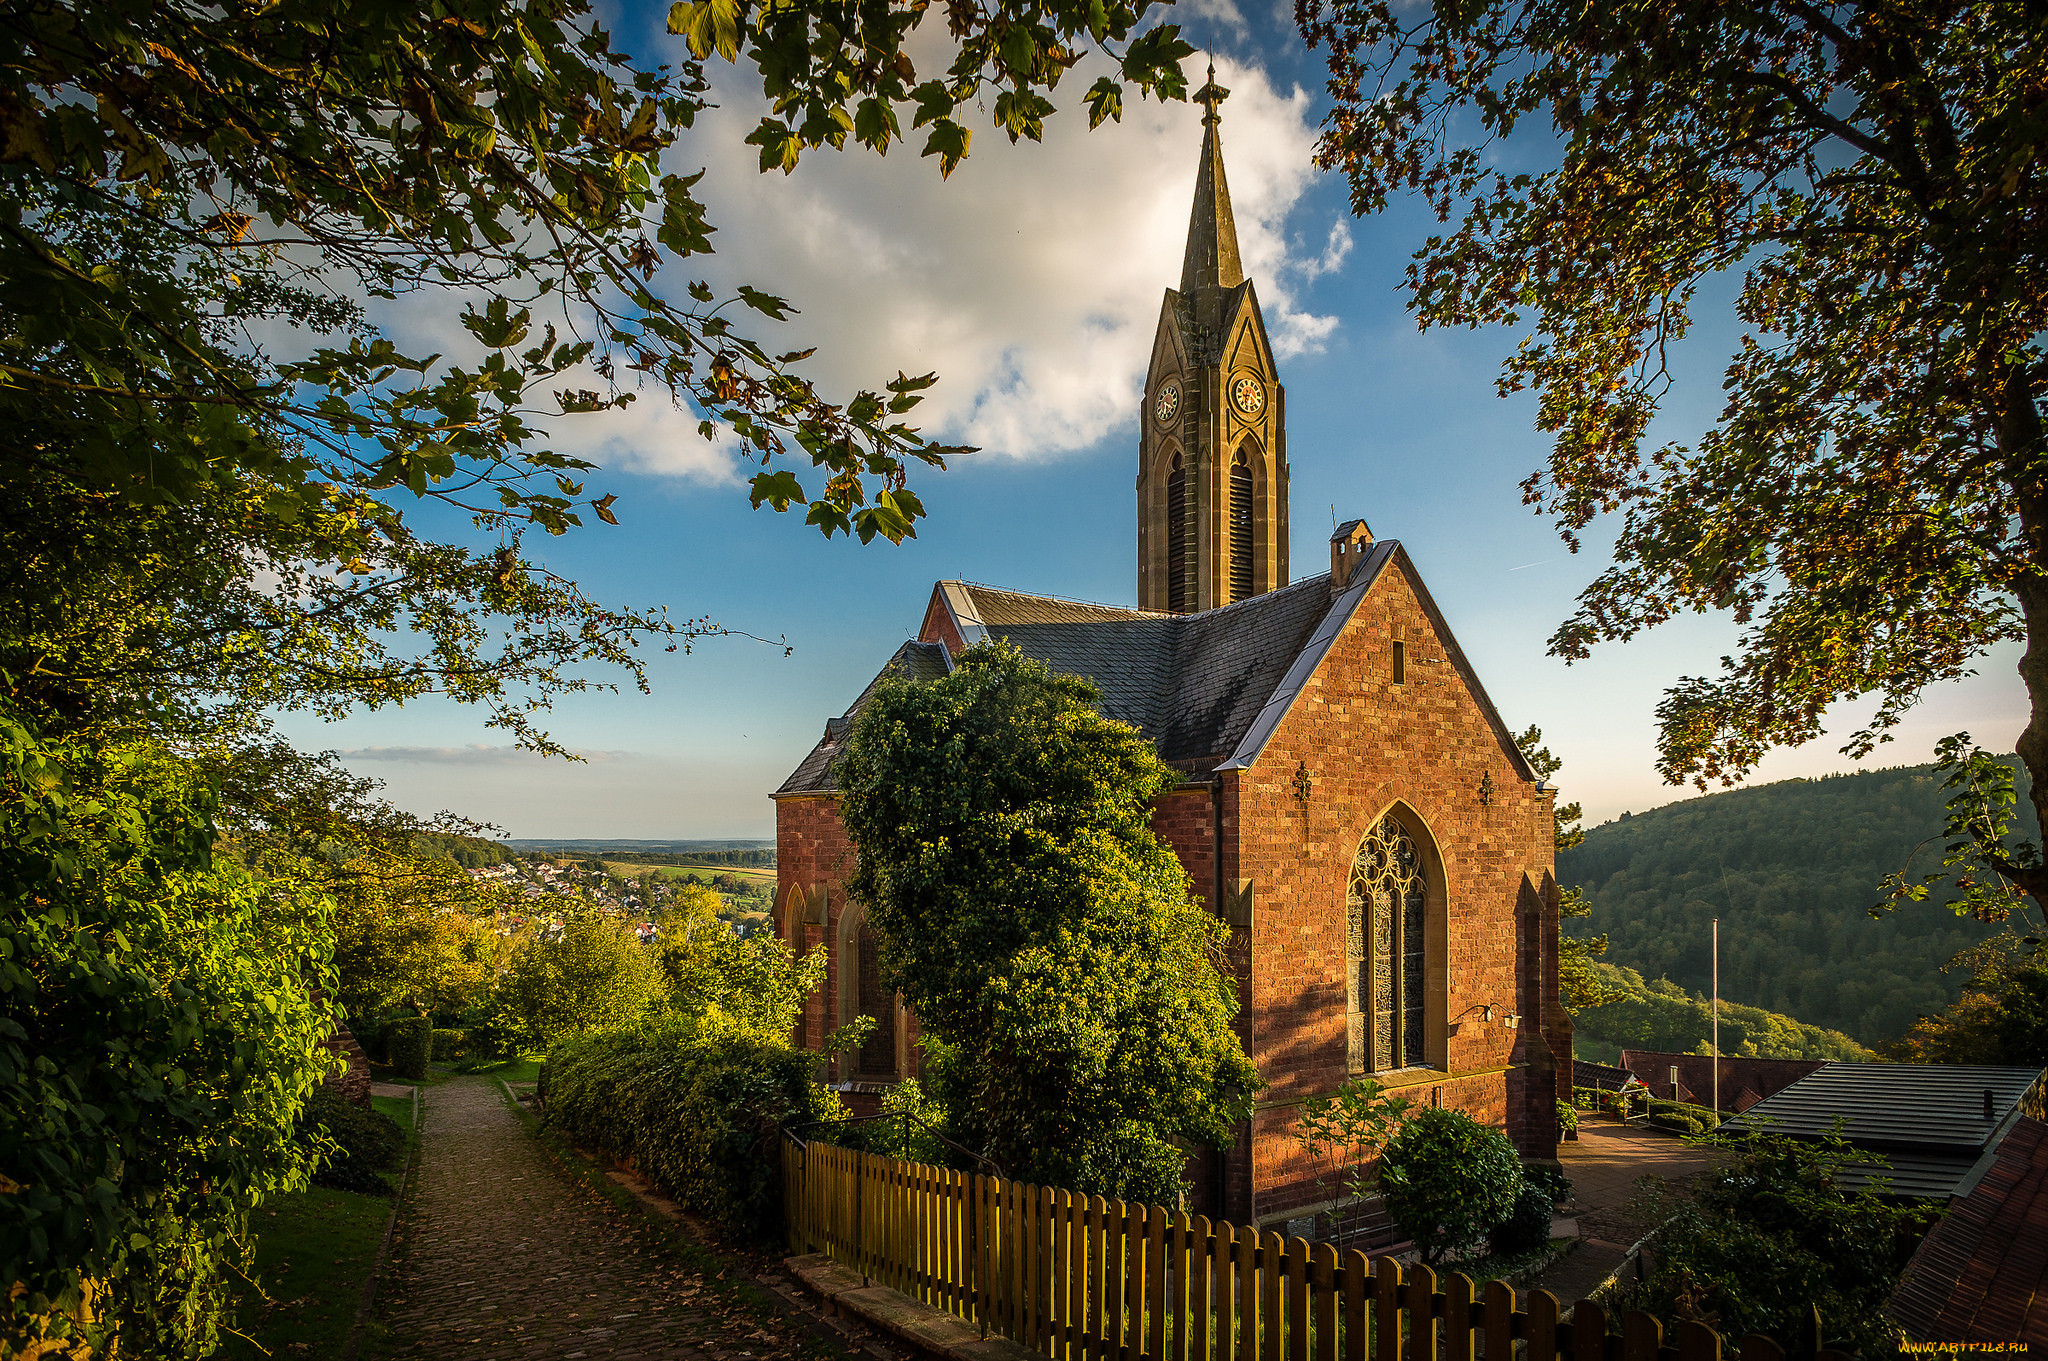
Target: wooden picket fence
[1078,1278]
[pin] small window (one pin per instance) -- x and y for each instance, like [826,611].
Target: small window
[1400,662]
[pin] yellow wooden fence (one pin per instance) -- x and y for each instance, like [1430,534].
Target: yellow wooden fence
[1078,1278]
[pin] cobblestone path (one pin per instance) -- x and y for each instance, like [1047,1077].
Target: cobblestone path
[504,1256]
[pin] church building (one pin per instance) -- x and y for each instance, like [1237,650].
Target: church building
[1353,805]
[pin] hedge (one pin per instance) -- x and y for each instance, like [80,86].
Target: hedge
[409,1040]
[701,1118]
[366,1142]
[1527,1226]
[449,1045]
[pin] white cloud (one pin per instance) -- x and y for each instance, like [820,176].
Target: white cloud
[1031,280]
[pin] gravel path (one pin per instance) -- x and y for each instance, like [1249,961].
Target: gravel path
[505,1257]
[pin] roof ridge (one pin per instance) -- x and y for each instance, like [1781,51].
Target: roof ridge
[1065,599]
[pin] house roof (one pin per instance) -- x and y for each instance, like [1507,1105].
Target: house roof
[1696,1072]
[1601,1075]
[1208,688]
[913,661]
[1929,1120]
[1981,1274]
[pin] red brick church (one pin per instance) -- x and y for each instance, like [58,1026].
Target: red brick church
[1354,806]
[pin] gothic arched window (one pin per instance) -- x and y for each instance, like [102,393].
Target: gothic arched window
[1243,547]
[878,1054]
[1177,538]
[1387,951]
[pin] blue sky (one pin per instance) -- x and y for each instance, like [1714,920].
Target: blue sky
[1031,281]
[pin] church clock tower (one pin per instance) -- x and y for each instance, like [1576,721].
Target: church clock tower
[1212,458]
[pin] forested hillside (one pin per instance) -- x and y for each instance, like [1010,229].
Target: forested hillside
[1661,1016]
[1791,869]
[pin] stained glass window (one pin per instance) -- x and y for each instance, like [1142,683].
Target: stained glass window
[1387,951]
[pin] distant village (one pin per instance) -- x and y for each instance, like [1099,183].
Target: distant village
[641,896]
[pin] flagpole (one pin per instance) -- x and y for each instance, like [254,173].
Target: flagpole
[1717,1018]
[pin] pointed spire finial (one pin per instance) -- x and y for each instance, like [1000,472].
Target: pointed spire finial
[1212,260]
[1210,96]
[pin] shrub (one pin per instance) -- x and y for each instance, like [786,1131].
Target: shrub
[409,1041]
[1703,1114]
[1448,1180]
[1527,1226]
[1567,1117]
[364,1142]
[701,1115]
[449,1045]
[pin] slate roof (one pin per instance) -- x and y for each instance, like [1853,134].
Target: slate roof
[1600,1075]
[1981,1275]
[1927,1119]
[915,661]
[1209,688]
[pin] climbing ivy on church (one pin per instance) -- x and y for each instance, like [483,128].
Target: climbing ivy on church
[1074,1001]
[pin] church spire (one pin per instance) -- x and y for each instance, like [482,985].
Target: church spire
[1212,260]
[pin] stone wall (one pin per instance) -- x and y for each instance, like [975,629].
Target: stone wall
[351,1070]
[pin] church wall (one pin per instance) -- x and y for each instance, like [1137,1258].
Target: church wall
[1366,743]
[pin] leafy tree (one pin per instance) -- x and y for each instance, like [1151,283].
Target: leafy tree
[1871,506]
[2002,1016]
[1773,1234]
[1578,986]
[579,974]
[157,1039]
[1448,1180]
[756,985]
[1074,998]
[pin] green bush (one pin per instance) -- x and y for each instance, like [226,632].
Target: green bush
[586,973]
[449,1045]
[364,1142]
[1567,1117]
[409,1041]
[1527,1226]
[1448,1180]
[700,1115]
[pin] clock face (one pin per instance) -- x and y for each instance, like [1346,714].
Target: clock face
[1166,405]
[1248,395]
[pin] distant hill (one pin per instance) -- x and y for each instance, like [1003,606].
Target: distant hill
[1791,869]
[1663,1017]
[470,852]
[755,853]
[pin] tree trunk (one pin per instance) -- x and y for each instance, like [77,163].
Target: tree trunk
[2020,449]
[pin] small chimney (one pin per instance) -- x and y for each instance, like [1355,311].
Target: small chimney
[1348,547]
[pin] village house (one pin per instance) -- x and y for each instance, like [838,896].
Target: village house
[1354,807]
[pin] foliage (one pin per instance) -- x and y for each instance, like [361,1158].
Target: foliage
[700,1115]
[467,852]
[1075,997]
[449,1045]
[1578,986]
[1526,1226]
[1661,1017]
[583,973]
[1790,869]
[2002,1016]
[409,1040]
[1567,1118]
[1869,505]
[918,1131]
[353,1143]
[182,179]
[1448,1180]
[158,1033]
[1771,1234]
[1993,872]
[755,985]
[1346,1132]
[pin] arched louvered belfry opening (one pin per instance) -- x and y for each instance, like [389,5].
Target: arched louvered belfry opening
[1389,940]
[1243,529]
[1177,538]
